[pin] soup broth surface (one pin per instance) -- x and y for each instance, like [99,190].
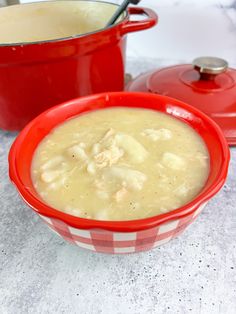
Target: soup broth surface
[52,20]
[120,164]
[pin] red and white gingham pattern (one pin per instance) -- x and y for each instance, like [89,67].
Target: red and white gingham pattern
[125,242]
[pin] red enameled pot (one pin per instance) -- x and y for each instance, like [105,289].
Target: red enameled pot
[118,236]
[36,76]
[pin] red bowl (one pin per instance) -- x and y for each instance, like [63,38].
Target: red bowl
[118,236]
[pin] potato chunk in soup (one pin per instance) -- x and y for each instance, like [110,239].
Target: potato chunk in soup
[120,164]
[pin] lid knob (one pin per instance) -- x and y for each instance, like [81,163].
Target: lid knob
[210,65]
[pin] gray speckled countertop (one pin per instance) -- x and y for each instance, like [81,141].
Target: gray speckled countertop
[40,273]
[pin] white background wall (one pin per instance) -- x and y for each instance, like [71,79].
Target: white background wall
[187,29]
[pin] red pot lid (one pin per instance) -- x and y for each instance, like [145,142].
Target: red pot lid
[207,84]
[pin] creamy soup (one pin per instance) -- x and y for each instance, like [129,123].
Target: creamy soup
[52,20]
[120,164]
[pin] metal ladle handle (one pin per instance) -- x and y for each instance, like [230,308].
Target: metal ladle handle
[120,10]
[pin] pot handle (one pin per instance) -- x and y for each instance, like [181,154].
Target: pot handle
[133,26]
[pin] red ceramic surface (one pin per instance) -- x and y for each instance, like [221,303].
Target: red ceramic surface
[148,232]
[215,95]
[34,77]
